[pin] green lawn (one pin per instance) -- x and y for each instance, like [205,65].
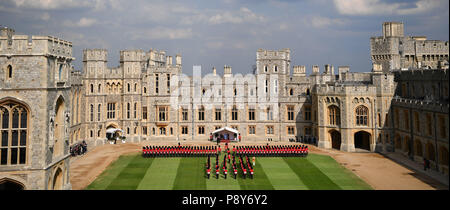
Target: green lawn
[315,172]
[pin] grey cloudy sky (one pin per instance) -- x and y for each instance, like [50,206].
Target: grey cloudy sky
[228,32]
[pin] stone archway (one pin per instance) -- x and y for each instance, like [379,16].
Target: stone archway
[362,140]
[9,184]
[336,141]
[59,132]
[57,180]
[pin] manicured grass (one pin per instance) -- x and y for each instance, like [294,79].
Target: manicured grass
[315,172]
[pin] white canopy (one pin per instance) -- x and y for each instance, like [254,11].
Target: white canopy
[113,130]
[227,129]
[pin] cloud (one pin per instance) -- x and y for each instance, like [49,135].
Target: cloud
[62,4]
[51,4]
[162,33]
[320,22]
[378,7]
[45,16]
[83,22]
[244,15]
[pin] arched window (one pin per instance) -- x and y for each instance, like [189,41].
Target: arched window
[99,88]
[265,68]
[234,113]
[13,133]
[135,87]
[99,111]
[275,68]
[92,88]
[291,92]
[128,110]
[60,71]
[129,87]
[135,110]
[361,115]
[334,117]
[201,113]
[92,113]
[9,71]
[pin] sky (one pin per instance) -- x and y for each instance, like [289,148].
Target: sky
[228,32]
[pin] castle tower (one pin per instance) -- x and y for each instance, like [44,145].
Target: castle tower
[95,62]
[35,97]
[393,29]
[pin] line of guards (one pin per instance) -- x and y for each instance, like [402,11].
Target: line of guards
[244,167]
[276,150]
[179,151]
[188,151]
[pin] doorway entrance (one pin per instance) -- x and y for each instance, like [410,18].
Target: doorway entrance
[7,184]
[362,140]
[335,139]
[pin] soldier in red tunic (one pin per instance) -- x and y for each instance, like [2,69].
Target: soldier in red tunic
[208,172]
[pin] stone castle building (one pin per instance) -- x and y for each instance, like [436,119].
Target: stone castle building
[400,106]
[35,111]
[394,50]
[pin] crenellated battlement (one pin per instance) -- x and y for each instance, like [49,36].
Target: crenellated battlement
[299,71]
[11,44]
[354,89]
[132,55]
[283,54]
[95,55]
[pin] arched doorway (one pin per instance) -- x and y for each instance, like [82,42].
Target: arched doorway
[9,184]
[362,140]
[335,139]
[59,132]
[58,180]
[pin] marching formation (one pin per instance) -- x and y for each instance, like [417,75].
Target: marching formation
[241,153]
[245,166]
[270,151]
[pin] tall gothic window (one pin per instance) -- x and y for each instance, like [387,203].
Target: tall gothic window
[128,110]
[307,111]
[184,114]
[290,112]
[144,114]
[201,113]
[13,133]
[218,113]
[92,113]
[334,115]
[9,69]
[135,111]
[162,111]
[99,112]
[251,114]
[362,115]
[111,112]
[234,113]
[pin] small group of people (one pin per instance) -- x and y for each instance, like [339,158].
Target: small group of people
[306,139]
[78,149]
[179,151]
[272,150]
[246,166]
[217,167]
